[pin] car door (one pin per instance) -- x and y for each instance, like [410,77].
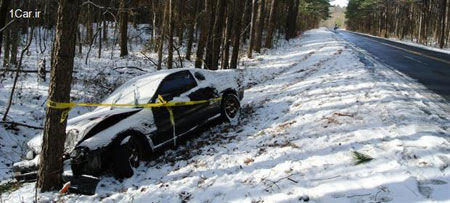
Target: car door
[204,111]
[172,86]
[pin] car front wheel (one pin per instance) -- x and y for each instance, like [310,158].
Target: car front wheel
[231,108]
[126,155]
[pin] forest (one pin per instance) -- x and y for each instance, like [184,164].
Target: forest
[209,34]
[422,21]
[208,30]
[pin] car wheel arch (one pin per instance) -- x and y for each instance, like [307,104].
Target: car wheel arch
[229,91]
[147,144]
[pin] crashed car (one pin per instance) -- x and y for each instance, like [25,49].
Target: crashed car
[116,139]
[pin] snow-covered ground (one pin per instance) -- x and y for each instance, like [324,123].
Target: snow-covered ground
[309,105]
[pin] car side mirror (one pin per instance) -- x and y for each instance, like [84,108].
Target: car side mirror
[199,76]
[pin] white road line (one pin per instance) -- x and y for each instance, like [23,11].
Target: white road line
[413,59]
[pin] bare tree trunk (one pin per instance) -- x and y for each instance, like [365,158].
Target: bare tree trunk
[105,31]
[92,43]
[443,27]
[291,21]
[204,32]
[171,32]
[123,11]
[80,44]
[154,17]
[190,40]
[51,164]
[209,44]
[217,34]
[14,44]
[246,21]
[180,22]
[89,24]
[271,27]
[252,29]
[3,13]
[6,47]
[237,32]
[421,23]
[259,25]
[448,24]
[100,37]
[162,35]
[228,35]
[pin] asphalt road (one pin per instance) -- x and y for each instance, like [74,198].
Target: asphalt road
[430,68]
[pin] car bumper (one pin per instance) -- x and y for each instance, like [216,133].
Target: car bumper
[83,184]
[26,171]
[87,162]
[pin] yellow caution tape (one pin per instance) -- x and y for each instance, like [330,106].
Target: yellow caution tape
[172,119]
[163,102]
[67,106]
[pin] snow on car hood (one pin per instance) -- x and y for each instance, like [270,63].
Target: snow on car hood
[141,121]
[78,127]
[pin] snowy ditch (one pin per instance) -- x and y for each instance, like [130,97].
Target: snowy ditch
[309,105]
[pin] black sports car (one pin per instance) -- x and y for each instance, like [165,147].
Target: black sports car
[116,139]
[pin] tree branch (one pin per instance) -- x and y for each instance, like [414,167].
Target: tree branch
[22,124]
[18,67]
[7,25]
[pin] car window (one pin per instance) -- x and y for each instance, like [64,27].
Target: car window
[199,76]
[176,83]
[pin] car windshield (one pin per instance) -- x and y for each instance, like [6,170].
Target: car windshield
[136,91]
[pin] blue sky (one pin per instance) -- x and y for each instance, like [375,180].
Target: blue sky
[341,3]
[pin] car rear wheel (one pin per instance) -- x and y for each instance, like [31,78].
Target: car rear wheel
[231,108]
[126,156]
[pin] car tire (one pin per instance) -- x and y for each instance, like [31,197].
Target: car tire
[126,154]
[231,108]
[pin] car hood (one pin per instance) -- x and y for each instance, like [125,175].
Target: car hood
[78,127]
